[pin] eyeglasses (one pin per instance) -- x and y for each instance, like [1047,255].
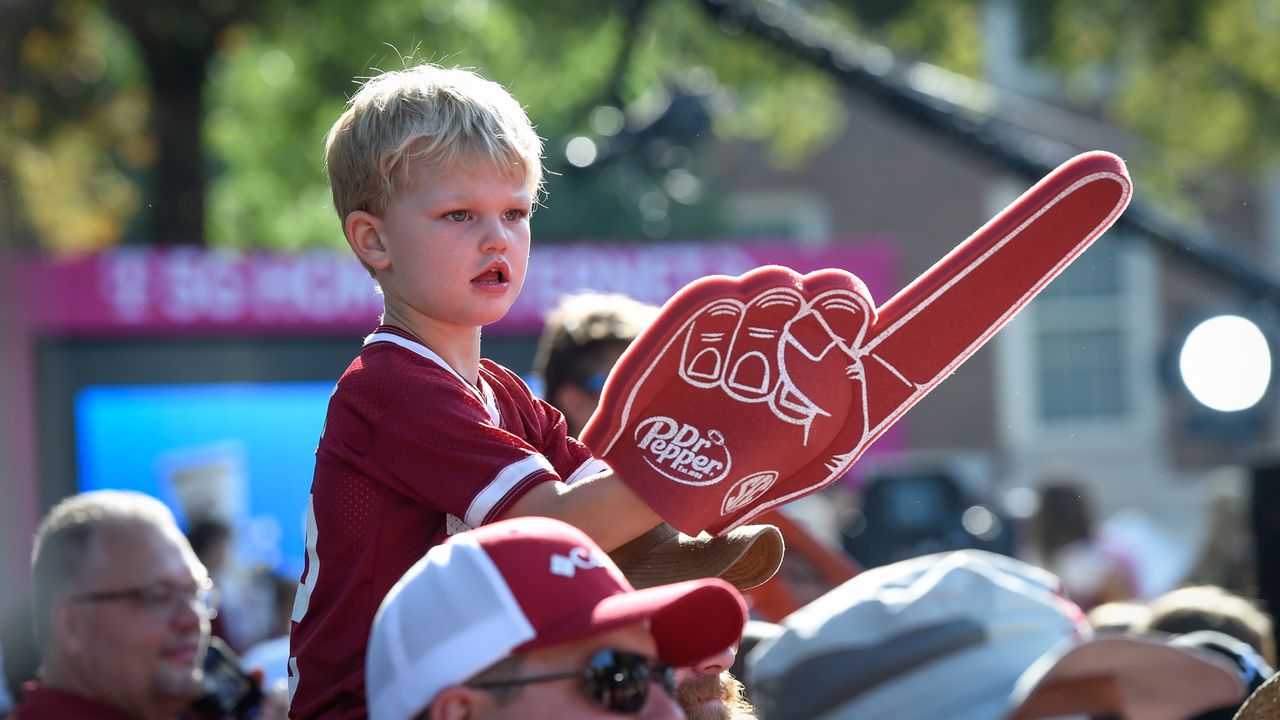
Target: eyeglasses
[616,680]
[161,599]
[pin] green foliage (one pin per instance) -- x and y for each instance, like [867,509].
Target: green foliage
[1200,79]
[73,129]
[266,128]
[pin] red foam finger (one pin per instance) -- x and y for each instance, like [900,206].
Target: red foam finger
[750,392]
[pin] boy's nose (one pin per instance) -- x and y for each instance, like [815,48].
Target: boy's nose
[495,237]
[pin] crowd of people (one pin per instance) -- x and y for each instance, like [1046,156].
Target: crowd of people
[467,557]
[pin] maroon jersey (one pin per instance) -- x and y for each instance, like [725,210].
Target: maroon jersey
[410,454]
[45,703]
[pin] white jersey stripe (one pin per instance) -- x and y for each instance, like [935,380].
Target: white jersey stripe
[483,393]
[510,476]
[592,466]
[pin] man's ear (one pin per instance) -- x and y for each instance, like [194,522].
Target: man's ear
[66,627]
[457,702]
[364,235]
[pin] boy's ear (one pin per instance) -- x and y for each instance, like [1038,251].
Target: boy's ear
[364,235]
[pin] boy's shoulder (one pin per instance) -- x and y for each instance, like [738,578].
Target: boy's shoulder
[395,373]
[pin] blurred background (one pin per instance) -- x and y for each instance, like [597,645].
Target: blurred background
[177,298]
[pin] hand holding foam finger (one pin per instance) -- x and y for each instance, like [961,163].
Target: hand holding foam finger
[749,392]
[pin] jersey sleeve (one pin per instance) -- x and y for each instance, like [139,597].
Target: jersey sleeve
[571,459]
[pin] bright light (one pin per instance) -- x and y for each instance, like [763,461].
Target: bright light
[1225,363]
[580,151]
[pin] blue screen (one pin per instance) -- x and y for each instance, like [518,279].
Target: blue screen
[241,452]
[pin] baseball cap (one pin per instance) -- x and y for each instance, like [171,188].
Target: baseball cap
[518,585]
[940,636]
[744,557]
[1155,678]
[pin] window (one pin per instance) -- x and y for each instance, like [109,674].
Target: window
[1077,368]
[1079,342]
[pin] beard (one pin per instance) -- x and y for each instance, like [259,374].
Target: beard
[696,693]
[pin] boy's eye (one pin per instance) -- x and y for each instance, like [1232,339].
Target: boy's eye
[514,215]
[458,215]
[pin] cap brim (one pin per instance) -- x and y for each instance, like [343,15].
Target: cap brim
[1264,703]
[1156,681]
[745,557]
[689,621]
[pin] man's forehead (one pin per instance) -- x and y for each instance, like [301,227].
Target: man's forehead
[137,549]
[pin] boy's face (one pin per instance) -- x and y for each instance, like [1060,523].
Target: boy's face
[456,247]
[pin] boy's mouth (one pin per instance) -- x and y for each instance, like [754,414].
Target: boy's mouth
[495,275]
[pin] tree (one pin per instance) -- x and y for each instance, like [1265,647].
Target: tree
[15,17]
[176,42]
[244,101]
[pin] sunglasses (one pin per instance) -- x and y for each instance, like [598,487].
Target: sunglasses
[616,680]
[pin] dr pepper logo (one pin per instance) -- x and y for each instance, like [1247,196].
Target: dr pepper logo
[682,452]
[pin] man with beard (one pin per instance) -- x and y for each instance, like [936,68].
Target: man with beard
[121,611]
[529,619]
[707,691]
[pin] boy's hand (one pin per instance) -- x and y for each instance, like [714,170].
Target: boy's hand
[749,392]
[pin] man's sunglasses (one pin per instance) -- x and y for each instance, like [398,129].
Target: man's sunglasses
[617,681]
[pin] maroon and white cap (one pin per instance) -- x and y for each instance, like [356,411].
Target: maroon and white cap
[519,585]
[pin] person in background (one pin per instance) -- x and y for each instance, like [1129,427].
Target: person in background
[939,636]
[971,635]
[528,618]
[210,539]
[1228,556]
[271,655]
[121,611]
[1206,607]
[582,340]
[1067,544]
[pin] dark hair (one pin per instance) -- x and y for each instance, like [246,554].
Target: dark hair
[205,533]
[1064,516]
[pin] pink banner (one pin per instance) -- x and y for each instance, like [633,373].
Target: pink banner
[187,291]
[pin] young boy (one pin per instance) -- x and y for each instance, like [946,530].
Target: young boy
[434,174]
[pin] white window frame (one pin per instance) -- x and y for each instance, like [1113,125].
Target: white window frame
[1022,426]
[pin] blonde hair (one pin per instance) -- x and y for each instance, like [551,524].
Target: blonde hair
[441,116]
